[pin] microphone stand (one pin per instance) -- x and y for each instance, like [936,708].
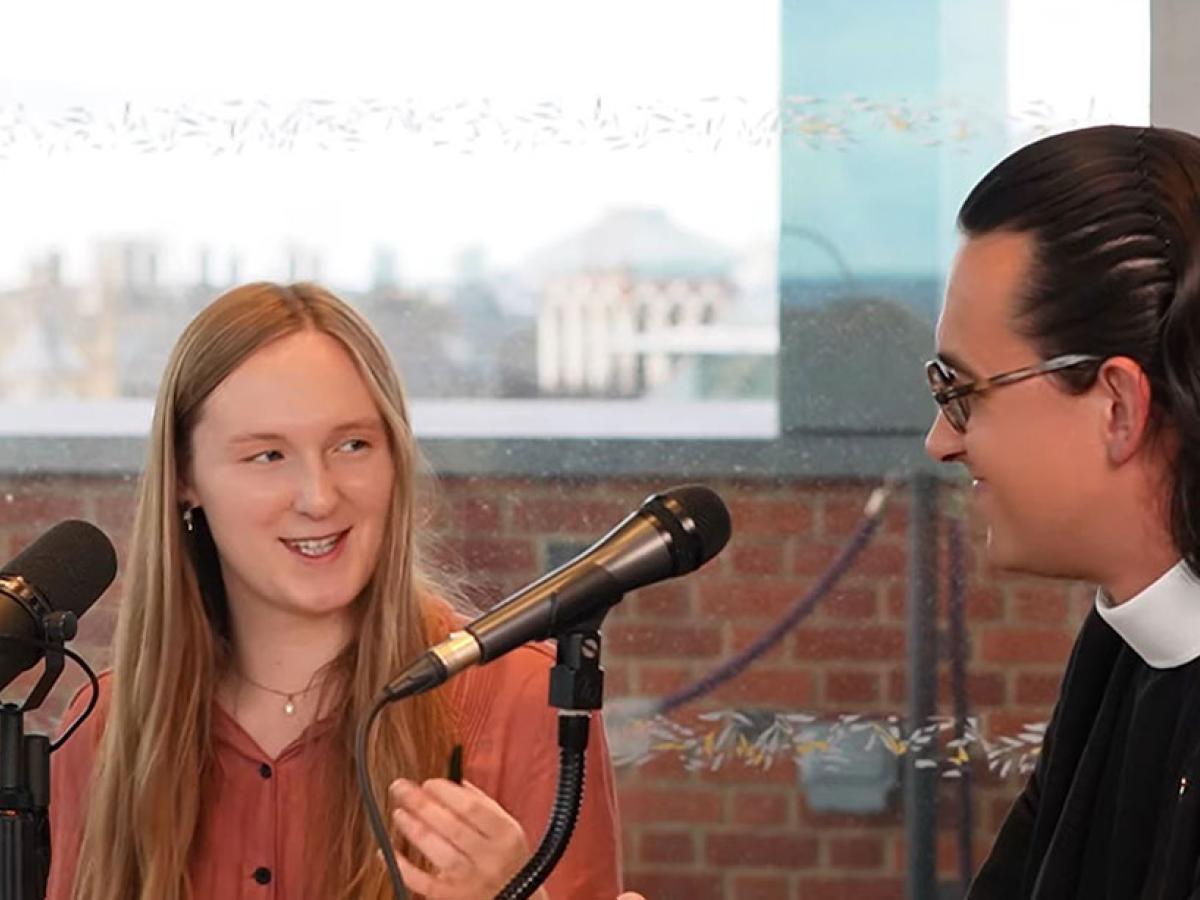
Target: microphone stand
[576,689]
[25,775]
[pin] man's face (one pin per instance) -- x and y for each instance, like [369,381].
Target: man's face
[1035,451]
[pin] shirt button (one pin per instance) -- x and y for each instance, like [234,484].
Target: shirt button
[264,770]
[262,875]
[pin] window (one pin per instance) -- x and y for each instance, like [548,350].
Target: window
[611,249]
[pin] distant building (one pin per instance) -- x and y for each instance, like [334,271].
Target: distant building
[629,303]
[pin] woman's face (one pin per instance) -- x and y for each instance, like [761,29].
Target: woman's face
[291,463]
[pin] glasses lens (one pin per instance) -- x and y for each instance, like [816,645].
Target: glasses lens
[956,411]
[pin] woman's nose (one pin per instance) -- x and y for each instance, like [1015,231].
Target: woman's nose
[316,495]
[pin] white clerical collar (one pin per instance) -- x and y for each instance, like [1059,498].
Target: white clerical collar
[1162,623]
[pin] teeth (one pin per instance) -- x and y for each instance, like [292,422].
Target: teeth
[315,548]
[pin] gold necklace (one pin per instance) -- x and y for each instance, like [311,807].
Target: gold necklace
[289,697]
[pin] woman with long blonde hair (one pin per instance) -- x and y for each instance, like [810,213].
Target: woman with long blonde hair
[274,584]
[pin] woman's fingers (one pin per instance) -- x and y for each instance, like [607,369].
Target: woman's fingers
[472,805]
[436,831]
[445,856]
[473,845]
[417,879]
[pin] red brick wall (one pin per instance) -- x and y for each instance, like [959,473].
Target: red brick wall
[739,831]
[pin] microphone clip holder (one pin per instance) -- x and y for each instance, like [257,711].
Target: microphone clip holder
[25,773]
[577,679]
[576,690]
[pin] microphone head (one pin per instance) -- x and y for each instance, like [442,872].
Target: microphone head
[69,566]
[702,517]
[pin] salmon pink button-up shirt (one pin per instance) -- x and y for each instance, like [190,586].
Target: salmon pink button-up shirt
[250,844]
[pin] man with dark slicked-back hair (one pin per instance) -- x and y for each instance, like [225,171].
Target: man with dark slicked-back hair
[1068,383]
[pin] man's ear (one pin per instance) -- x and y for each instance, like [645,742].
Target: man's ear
[1125,392]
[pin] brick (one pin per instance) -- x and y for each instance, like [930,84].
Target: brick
[670,600]
[812,558]
[877,643]
[667,847]
[1038,688]
[758,686]
[769,518]
[742,598]
[822,822]
[498,555]
[856,852]
[768,850]
[656,680]
[761,887]
[881,559]
[38,506]
[668,885]
[617,682]
[1026,645]
[478,514]
[851,687]
[1040,605]
[758,808]
[687,641]
[579,517]
[947,849]
[984,604]
[778,654]
[983,689]
[852,889]
[763,558]
[657,805]
[115,513]
[851,603]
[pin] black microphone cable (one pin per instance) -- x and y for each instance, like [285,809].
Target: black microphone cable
[93,681]
[374,816]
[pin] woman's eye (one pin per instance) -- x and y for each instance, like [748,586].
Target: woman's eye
[266,456]
[353,445]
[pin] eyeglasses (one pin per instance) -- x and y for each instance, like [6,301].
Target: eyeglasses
[952,398]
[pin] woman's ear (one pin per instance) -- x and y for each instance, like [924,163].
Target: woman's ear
[1125,391]
[187,496]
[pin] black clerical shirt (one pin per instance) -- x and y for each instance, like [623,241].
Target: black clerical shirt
[1112,810]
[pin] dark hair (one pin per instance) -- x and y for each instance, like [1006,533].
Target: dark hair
[1114,213]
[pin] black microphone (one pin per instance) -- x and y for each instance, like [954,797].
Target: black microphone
[670,534]
[65,570]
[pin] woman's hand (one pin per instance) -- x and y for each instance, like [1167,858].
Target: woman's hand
[472,844]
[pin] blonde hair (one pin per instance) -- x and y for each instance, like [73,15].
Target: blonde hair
[145,804]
